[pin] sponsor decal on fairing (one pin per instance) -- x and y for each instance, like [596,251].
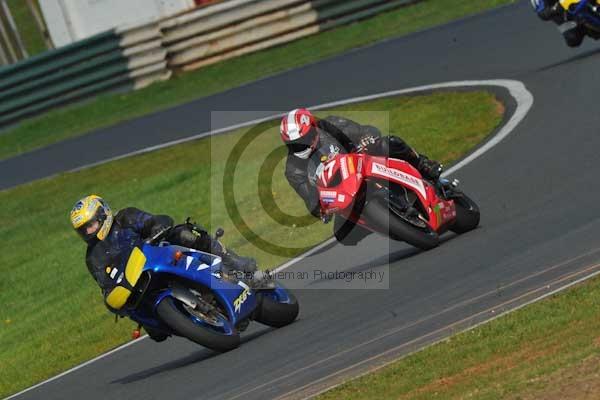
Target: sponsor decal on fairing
[237,303]
[344,165]
[394,174]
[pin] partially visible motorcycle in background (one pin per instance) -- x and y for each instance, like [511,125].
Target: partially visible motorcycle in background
[576,19]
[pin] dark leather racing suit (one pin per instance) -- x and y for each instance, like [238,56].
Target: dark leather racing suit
[337,134]
[132,226]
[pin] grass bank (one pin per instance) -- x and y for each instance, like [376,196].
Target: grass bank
[548,350]
[27,27]
[52,316]
[110,109]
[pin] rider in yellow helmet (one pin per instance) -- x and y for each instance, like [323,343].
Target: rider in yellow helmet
[107,235]
[569,26]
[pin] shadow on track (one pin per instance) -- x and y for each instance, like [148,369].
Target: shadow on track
[196,357]
[387,259]
[579,57]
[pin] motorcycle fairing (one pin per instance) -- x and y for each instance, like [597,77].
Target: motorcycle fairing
[344,175]
[236,297]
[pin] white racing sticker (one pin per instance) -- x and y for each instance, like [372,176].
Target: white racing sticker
[325,167]
[188,261]
[344,165]
[202,266]
[237,303]
[409,180]
[328,196]
[328,193]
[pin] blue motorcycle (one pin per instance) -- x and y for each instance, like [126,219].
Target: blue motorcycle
[576,18]
[179,291]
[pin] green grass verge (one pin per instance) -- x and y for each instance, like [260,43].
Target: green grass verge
[28,29]
[548,350]
[109,109]
[52,316]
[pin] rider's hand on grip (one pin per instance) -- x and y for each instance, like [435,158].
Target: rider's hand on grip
[326,218]
[366,144]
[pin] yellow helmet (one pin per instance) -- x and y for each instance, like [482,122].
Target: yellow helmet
[566,4]
[92,218]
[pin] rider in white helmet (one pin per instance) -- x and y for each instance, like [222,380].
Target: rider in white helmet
[307,137]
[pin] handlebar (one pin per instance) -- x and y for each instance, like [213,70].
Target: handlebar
[159,235]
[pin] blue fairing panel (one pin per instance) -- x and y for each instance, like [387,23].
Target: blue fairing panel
[205,269]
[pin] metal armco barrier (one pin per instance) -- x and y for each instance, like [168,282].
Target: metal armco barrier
[135,57]
[200,38]
[118,59]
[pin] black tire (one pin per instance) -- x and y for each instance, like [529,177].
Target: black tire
[181,323]
[574,37]
[377,213]
[467,214]
[275,314]
[544,15]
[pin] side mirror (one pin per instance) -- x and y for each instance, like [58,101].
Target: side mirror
[219,233]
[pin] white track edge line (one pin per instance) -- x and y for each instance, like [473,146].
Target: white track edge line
[516,89]
[470,328]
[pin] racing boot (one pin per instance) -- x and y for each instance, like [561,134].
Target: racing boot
[573,33]
[244,268]
[553,12]
[430,169]
[155,334]
[393,146]
[235,262]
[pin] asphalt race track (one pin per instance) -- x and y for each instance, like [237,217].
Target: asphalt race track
[538,191]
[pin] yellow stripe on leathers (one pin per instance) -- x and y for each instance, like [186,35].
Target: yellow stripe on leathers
[119,295]
[136,263]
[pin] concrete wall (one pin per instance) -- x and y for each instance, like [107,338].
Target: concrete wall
[72,20]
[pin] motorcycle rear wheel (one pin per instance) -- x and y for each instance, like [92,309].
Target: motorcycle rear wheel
[378,214]
[276,314]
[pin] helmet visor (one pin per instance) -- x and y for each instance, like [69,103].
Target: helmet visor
[305,144]
[90,229]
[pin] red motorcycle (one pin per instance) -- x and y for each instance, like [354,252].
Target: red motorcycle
[389,196]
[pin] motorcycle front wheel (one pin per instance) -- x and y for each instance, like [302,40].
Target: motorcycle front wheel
[378,214]
[203,330]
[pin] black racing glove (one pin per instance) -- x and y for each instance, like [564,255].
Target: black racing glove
[156,228]
[326,218]
[158,223]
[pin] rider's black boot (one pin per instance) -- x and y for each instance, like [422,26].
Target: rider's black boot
[551,12]
[430,169]
[244,268]
[233,261]
[156,335]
